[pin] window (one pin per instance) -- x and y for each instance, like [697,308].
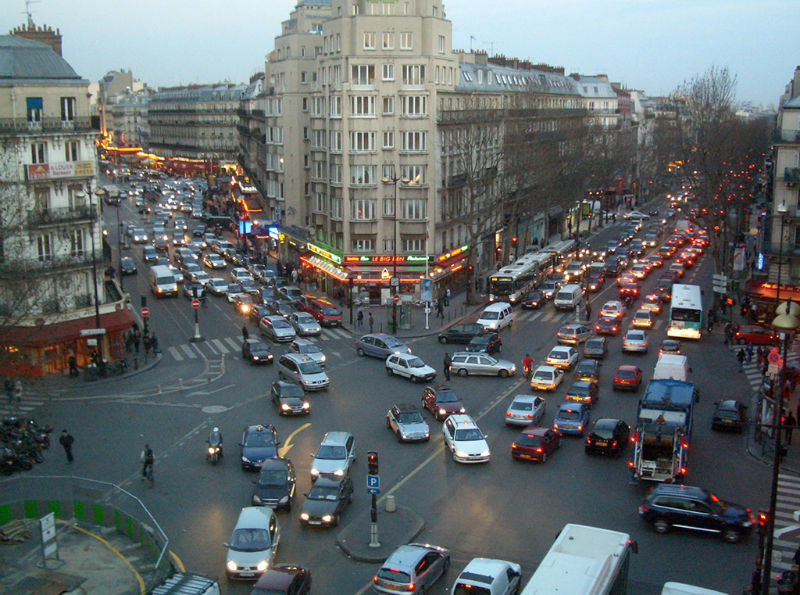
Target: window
[413,244]
[305,132]
[413,74]
[362,245]
[388,105]
[363,209]
[320,202]
[363,74]
[362,141]
[336,208]
[387,171]
[369,40]
[441,44]
[336,174]
[71,150]
[388,72]
[388,207]
[415,174]
[318,169]
[305,104]
[76,242]
[336,140]
[413,209]
[336,106]
[415,105]
[387,40]
[303,77]
[405,41]
[362,175]
[415,141]
[34,107]
[45,246]
[338,41]
[362,105]
[67,109]
[388,245]
[318,139]
[38,152]
[388,139]
[41,197]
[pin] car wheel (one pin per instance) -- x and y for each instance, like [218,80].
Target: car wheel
[389,371]
[360,352]
[463,372]
[731,535]
[661,526]
[443,340]
[503,373]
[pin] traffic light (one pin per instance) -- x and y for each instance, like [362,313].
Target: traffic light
[763,517]
[372,462]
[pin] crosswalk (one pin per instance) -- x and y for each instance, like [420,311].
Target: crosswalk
[753,370]
[553,315]
[787,502]
[212,348]
[24,407]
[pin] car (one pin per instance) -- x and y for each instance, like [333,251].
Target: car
[334,457]
[198,231]
[583,391]
[612,309]
[549,288]
[460,333]
[562,356]
[546,378]
[193,290]
[608,436]
[588,370]
[640,270]
[488,577]
[308,349]
[214,261]
[652,303]
[412,568]
[277,329]
[595,281]
[657,260]
[535,443]
[671,346]
[287,579]
[409,366]
[380,345]
[149,254]
[405,420]
[234,291]
[326,502]
[244,305]
[259,442]
[525,410]
[692,507]
[677,269]
[635,341]
[304,324]
[303,370]
[488,342]
[755,335]
[629,290]
[160,244]
[280,308]
[480,364]
[627,377]
[642,319]
[289,398]
[240,274]
[464,439]
[441,401]
[533,300]
[178,238]
[253,544]
[607,326]
[291,292]
[217,286]
[596,347]
[256,352]
[275,485]
[729,415]
[251,287]
[572,418]
[127,266]
[573,334]
[139,236]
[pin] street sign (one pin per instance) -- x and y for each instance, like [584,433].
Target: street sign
[195,303]
[395,282]
[396,298]
[92,332]
[373,484]
[773,356]
[145,312]
[720,278]
[720,289]
[426,290]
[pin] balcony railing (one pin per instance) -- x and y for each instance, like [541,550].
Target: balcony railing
[62,215]
[45,125]
[55,263]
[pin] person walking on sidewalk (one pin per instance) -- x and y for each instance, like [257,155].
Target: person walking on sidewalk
[371,322]
[360,319]
[66,441]
[789,425]
[447,297]
[245,332]
[740,359]
[18,390]
[439,309]
[447,363]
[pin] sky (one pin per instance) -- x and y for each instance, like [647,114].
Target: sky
[650,45]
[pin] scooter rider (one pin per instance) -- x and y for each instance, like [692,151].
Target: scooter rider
[527,364]
[215,438]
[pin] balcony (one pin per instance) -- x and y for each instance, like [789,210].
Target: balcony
[61,215]
[45,125]
[17,268]
[791,176]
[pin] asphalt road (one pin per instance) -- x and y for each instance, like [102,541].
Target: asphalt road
[504,509]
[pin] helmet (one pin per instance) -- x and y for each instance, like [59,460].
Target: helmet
[216,429]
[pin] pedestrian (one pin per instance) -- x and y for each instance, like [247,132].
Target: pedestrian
[760,355]
[711,318]
[129,342]
[148,343]
[447,363]
[371,322]
[588,311]
[740,359]
[137,338]
[66,441]
[245,332]
[294,276]
[447,297]
[18,390]
[154,343]
[786,394]
[789,425]
[439,309]
[360,319]
[73,365]
[9,386]
[749,352]
[764,367]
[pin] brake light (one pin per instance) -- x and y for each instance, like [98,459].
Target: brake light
[508,414]
[539,449]
[529,416]
[683,470]
[410,587]
[514,446]
[614,444]
[588,441]
[630,464]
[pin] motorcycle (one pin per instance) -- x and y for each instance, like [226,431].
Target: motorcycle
[10,462]
[213,452]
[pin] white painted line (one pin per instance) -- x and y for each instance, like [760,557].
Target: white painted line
[211,347]
[336,353]
[219,345]
[232,342]
[174,353]
[190,353]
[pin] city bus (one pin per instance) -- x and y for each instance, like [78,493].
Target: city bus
[685,312]
[584,561]
[563,253]
[511,283]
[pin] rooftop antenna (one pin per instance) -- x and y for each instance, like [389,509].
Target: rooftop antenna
[471,38]
[491,47]
[28,12]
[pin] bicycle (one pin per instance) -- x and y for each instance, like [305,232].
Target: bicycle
[147,473]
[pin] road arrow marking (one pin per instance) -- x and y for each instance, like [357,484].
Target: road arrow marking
[287,446]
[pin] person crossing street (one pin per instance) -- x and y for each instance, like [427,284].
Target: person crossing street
[447,363]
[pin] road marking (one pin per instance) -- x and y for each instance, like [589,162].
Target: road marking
[219,345]
[198,350]
[788,501]
[211,347]
[190,353]
[175,353]
[535,316]
[287,445]
[232,342]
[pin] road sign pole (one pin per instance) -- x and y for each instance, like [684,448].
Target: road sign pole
[196,306]
[373,525]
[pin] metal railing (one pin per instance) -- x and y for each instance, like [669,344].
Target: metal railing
[62,215]
[44,125]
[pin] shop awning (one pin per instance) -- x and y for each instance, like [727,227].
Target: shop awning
[325,266]
[768,292]
[26,336]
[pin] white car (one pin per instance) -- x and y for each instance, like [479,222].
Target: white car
[546,378]
[409,366]
[304,324]
[612,309]
[308,349]
[214,261]
[240,275]
[635,341]
[488,576]
[201,277]
[217,286]
[525,410]
[464,439]
[253,544]
[562,356]
[642,319]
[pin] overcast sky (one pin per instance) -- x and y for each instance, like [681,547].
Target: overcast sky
[652,45]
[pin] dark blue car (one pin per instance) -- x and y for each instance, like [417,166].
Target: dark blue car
[572,418]
[259,443]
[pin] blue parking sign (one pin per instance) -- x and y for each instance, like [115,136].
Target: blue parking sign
[373,484]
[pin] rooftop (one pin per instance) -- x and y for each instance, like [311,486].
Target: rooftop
[25,60]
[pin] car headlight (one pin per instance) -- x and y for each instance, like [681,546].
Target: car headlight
[245,460]
[339,473]
[314,472]
[461,453]
[232,566]
[462,410]
[285,407]
[256,499]
[304,516]
[306,405]
[283,500]
[327,518]
[262,566]
[442,412]
[485,453]
[322,359]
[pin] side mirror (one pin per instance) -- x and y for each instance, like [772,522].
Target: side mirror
[226,544]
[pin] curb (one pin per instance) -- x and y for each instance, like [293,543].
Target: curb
[361,552]
[115,378]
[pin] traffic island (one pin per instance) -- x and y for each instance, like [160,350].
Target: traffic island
[394,529]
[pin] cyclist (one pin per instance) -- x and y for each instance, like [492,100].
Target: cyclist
[147,458]
[527,365]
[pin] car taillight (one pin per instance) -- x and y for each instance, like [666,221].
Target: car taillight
[614,444]
[410,587]
[588,441]
[630,464]
[529,416]
[514,446]
[508,414]
[539,449]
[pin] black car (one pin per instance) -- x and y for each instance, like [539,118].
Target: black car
[281,308]
[584,392]
[729,415]
[460,333]
[282,579]
[256,351]
[199,231]
[608,436]
[289,398]
[533,300]
[690,507]
[612,267]
[275,485]
[259,443]
[588,370]
[244,303]
[127,266]
[326,502]
[487,343]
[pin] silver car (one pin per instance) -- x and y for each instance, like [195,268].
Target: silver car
[405,420]
[412,568]
[302,370]
[217,286]
[277,329]
[334,457]
[305,324]
[480,364]
[525,410]
[635,341]
[308,349]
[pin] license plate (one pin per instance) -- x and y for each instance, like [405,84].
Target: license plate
[727,421]
[247,574]
[314,522]
[525,457]
[602,443]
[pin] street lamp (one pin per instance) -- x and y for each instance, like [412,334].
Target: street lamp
[395,282]
[782,210]
[93,213]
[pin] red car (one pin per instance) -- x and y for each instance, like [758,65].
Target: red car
[535,444]
[627,377]
[442,402]
[756,335]
[284,578]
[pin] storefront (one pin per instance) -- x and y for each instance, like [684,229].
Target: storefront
[764,297]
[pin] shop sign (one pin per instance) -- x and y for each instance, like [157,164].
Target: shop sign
[273,232]
[452,253]
[325,253]
[67,169]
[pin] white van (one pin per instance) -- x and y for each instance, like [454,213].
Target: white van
[496,317]
[162,282]
[568,297]
[672,367]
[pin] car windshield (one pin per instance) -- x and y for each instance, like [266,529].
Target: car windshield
[309,368]
[545,375]
[305,319]
[331,452]
[522,405]
[594,344]
[395,576]
[310,348]
[258,347]
[235,288]
[250,540]
[490,315]
[579,389]
[415,362]
[391,342]
[272,478]
[410,417]
[626,374]
[468,434]
[569,414]
[549,285]
[558,355]
[256,439]
[330,312]
[281,324]
[446,397]
[603,431]
[319,492]
[529,440]
[636,336]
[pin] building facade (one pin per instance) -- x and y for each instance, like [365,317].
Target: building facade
[126,118]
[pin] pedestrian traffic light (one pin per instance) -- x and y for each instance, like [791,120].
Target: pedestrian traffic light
[372,462]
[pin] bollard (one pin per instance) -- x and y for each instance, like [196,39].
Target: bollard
[391,505]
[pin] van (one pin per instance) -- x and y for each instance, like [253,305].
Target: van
[254,543]
[324,311]
[496,317]
[162,282]
[672,367]
[568,297]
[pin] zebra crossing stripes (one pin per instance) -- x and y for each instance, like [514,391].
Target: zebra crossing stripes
[24,408]
[787,502]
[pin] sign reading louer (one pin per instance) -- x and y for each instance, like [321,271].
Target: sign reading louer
[66,169]
[47,525]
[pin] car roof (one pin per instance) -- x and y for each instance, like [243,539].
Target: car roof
[405,407]
[273,464]
[254,516]
[255,428]
[570,406]
[679,489]
[405,557]
[463,420]
[546,369]
[487,567]
[335,437]
[535,430]
[627,368]
[525,398]
[606,422]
